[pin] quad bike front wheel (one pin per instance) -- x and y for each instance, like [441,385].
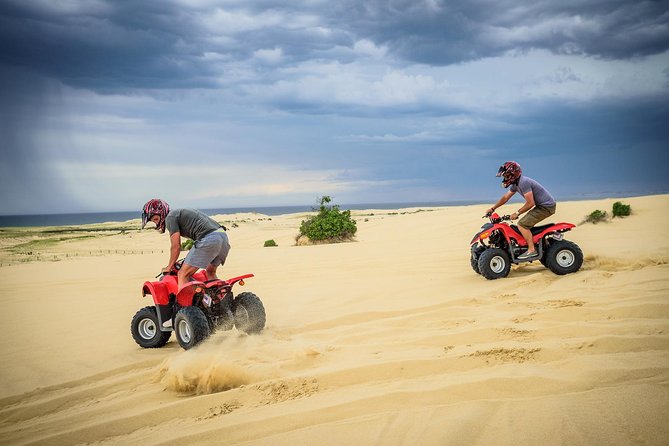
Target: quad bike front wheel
[145,329]
[563,257]
[474,261]
[191,327]
[474,258]
[249,313]
[494,263]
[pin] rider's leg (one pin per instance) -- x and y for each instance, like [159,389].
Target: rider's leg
[211,271]
[185,274]
[221,255]
[527,235]
[525,224]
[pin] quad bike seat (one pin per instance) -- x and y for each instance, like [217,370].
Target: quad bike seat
[535,230]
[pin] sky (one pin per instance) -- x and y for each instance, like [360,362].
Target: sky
[105,104]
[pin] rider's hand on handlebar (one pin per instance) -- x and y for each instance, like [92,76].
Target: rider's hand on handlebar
[514,216]
[167,271]
[488,213]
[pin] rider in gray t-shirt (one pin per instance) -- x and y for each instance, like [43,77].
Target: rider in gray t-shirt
[191,223]
[211,245]
[541,196]
[538,201]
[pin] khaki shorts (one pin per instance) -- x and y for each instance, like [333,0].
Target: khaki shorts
[535,215]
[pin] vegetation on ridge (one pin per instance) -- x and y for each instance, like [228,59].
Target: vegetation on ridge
[329,225]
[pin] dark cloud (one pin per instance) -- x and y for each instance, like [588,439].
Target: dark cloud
[137,44]
[443,32]
[615,147]
[612,147]
[118,44]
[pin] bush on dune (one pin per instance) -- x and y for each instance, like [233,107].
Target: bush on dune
[595,217]
[330,225]
[621,210]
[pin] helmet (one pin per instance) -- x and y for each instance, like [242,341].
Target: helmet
[153,207]
[510,172]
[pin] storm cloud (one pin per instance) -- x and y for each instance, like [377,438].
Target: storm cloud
[179,44]
[396,100]
[442,32]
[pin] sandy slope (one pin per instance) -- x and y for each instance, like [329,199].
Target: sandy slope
[389,340]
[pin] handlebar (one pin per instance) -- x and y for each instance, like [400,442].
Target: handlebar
[173,272]
[494,218]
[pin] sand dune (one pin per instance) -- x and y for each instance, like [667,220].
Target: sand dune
[389,340]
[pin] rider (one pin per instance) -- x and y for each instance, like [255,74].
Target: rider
[211,245]
[538,201]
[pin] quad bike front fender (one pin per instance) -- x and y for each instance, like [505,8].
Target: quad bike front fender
[482,234]
[159,292]
[507,232]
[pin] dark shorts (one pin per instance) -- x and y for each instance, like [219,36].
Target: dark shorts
[212,249]
[536,214]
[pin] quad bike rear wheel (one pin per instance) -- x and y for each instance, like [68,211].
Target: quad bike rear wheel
[145,329]
[249,313]
[191,327]
[563,257]
[494,263]
[226,319]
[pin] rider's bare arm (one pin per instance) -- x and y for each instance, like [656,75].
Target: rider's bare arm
[502,200]
[529,203]
[175,249]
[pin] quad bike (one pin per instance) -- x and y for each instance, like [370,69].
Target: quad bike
[195,311]
[505,243]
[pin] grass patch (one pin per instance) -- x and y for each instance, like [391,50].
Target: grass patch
[595,217]
[44,243]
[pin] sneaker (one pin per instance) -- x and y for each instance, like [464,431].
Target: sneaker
[527,255]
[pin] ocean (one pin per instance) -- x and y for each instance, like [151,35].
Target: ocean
[101,217]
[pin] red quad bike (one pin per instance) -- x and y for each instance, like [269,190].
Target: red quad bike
[195,311]
[505,243]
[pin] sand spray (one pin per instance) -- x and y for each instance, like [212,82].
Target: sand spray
[231,359]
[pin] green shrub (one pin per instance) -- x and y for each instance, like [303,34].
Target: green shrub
[595,216]
[621,210]
[330,224]
[269,243]
[186,245]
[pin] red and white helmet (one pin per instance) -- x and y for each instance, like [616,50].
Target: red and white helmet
[158,207]
[510,172]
